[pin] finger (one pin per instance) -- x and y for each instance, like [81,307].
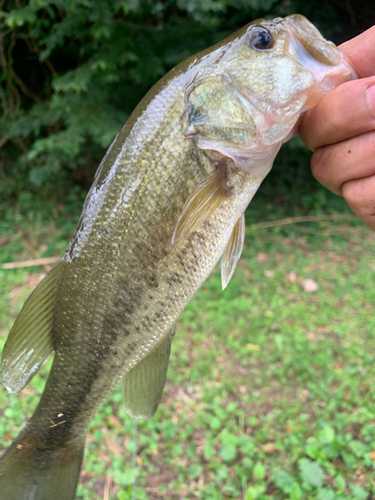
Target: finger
[353,159]
[347,111]
[359,52]
[360,195]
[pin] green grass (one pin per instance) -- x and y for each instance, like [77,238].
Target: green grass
[270,391]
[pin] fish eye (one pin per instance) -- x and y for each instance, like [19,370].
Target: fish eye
[260,38]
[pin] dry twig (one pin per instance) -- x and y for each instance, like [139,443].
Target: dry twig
[298,220]
[31,263]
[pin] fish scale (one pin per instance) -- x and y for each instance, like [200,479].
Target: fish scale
[167,202]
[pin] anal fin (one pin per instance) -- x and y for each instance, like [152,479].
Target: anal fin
[30,342]
[232,251]
[142,387]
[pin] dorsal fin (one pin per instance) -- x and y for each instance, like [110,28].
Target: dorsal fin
[200,205]
[232,251]
[30,342]
[142,387]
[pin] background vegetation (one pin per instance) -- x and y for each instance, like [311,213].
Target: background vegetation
[270,390]
[73,70]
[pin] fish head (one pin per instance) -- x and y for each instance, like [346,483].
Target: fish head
[247,95]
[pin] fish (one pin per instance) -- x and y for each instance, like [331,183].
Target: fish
[167,202]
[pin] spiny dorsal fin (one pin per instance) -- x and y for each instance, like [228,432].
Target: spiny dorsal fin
[201,204]
[142,387]
[232,251]
[30,343]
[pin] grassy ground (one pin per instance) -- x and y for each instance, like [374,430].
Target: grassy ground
[270,390]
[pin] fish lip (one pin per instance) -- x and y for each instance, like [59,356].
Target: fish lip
[327,76]
[323,57]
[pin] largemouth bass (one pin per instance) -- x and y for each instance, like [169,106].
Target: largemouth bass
[166,204]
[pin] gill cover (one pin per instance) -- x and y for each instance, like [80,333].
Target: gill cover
[215,111]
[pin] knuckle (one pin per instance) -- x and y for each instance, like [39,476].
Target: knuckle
[370,100]
[353,192]
[317,163]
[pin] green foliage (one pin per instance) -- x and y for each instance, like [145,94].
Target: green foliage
[270,388]
[311,472]
[73,70]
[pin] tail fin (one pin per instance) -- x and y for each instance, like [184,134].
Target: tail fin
[25,475]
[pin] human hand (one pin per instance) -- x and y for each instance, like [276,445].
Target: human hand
[341,132]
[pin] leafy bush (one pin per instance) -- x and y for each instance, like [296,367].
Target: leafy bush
[73,70]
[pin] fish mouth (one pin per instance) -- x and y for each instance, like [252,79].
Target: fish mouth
[308,48]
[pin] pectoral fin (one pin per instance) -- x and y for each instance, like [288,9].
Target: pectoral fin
[232,251]
[142,387]
[201,204]
[30,342]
